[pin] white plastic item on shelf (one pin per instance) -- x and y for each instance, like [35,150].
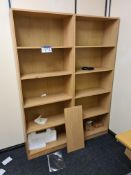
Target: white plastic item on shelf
[40,120]
[50,135]
[44,95]
[39,140]
[36,141]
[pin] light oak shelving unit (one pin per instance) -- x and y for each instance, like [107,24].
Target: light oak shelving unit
[95,45]
[76,41]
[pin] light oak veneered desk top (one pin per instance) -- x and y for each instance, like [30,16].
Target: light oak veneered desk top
[125,139]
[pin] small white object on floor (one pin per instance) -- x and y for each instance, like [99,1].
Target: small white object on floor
[44,95]
[2,171]
[40,120]
[7,160]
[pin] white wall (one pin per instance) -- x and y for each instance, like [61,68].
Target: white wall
[91,7]
[66,6]
[11,131]
[121,101]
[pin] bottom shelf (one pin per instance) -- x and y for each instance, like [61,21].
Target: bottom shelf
[99,127]
[53,146]
[61,143]
[94,111]
[96,125]
[52,98]
[95,131]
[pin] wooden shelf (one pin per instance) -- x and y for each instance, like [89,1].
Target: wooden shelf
[95,131]
[38,13]
[102,69]
[94,111]
[60,143]
[44,75]
[37,101]
[96,18]
[52,121]
[101,46]
[64,47]
[38,47]
[34,64]
[90,92]
[79,40]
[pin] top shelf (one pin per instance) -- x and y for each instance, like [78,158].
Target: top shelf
[96,18]
[67,47]
[38,47]
[58,15]
[28,12]
[100,46]
[36,29]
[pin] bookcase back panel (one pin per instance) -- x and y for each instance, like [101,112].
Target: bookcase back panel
[111,32]
[106,80]
[87,81]
[46,110]
[95,80]
[87,102]
[89,33]
[39,31]
[96,57]
[33,61]
[94,101]
[69,59]
[97,33]
[108,57]
[59,130]
[88,57]
[35,88]
[102,119]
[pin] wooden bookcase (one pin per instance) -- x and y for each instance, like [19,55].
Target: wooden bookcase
[76,41]
[96,42]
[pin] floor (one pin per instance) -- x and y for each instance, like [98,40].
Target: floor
[102,156]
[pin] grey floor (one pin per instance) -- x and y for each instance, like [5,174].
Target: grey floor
[101,156]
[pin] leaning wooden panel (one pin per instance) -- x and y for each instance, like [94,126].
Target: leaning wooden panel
[128,153]
[74,128]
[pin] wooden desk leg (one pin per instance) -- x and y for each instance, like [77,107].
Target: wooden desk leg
[128,153]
